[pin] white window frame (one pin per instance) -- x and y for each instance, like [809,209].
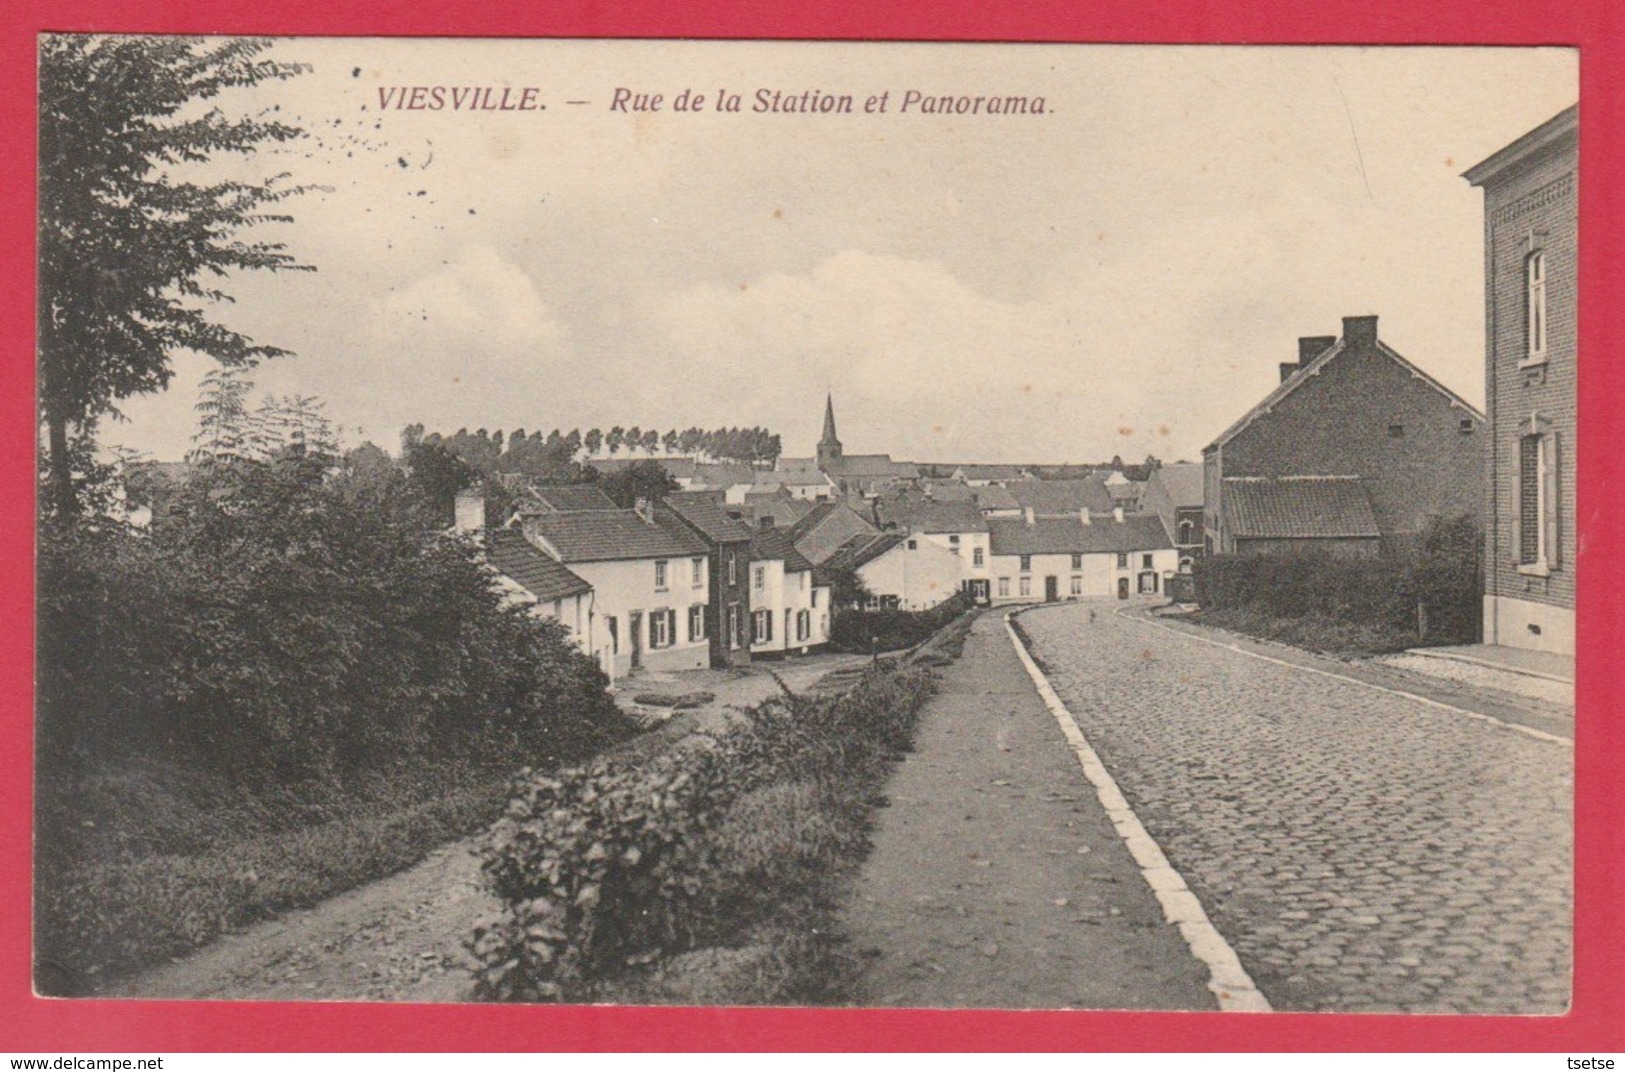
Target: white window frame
[660,629]
[1004,587]
[1536,566]
[1026,586]
[697,565]
[1534,308]
[1077,584]
[977,558]
[660,574]
[759,577]
[696,622]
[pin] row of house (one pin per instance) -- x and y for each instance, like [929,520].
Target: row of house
[674,585]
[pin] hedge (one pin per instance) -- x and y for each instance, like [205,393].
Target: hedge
[864,631]
[614,865]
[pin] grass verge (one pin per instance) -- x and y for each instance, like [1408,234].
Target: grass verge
[1324,635]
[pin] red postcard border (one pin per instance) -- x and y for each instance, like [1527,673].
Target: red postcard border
[1597,1019]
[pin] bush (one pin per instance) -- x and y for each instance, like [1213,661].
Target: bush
[892,630]
[619,863]
[1428,592]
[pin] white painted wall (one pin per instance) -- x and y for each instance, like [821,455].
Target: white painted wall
[920,576]
[626,586]
[1098,575]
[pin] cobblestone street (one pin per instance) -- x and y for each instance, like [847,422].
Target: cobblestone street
[1360,850]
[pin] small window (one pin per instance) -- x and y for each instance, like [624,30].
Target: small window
[914,545]
[1077,561]
[953,538]
[1026,563]
[696,622]
[1122,560]
[697,565]
[1145,562]
[1466,426]
[660,575]
[759,577]
[1026,586]
[660,628]
[815,597]
[1004,586]
[1396,431]
[977,557]
[1077,586]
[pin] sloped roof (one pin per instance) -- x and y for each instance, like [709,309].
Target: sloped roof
[1062,496]
[1070,536]
[570,497]
[709,517]
[861,550]
[510,554]
[773,478]
[871,465]
[1124,492]
[1308,372]
[990,472]
[1182,481]
[774,542]
[612,535]
[827,528]
[924,515]
[995,497]
[1298,507]
[784,510]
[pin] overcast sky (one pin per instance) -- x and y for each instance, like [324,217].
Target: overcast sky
[1120,275]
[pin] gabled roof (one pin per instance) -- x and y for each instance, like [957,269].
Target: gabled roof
[708,516]
[861,550]
[773,542]
[1059,497]
[871,465]
[1125,492]
[1182,481]
[564,498]
[1554,132]
[774,478]
[922,515]
[1311,369]
[509,553]
[827,528]
[784,510]
[1070,536]
[612,535]
[1298,507]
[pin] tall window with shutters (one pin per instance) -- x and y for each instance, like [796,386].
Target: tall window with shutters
[1536,486]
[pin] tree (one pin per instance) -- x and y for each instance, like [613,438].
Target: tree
[614,439]
[130,255]
[646,479]
[436,475]
[593,440]
[225,433]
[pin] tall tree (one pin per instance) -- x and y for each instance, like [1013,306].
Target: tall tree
[130,255]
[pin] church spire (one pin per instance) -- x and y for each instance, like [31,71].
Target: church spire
[829,447]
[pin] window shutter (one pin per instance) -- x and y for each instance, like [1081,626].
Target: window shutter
[1516,495]
[671,627]
[1554,506]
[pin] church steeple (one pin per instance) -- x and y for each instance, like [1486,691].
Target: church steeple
[829,447]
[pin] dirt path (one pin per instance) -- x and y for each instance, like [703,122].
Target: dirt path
[996,879]
[401,938]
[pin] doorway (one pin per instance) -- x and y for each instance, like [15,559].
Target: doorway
[634,629]
[1052,589]
[1122,588]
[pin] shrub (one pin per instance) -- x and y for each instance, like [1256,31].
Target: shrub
[621,862]
[892,630]
[1428,591]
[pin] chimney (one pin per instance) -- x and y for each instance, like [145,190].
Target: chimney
[469,511]
[765,521]
[644,509]
[1083,516]
[1027,514]
[1309,348]
[1117,514]
[1360,331]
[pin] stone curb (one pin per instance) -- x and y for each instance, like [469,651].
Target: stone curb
[1227,979]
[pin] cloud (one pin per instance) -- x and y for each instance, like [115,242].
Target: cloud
[477,299]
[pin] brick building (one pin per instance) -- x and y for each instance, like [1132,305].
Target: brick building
[1348,407]
[728,543]
[1531,233]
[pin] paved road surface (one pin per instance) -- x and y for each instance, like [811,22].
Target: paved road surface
[1361,851]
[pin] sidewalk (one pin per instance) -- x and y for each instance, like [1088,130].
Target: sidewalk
[996,879]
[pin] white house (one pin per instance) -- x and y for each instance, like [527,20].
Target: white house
[649,578]
[1045,559]
[957,527]
[902,571]
[789,608]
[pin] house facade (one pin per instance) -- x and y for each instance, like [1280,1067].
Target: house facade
[902,571]
[957,527]
[1351,406]
[1174,493]
[727,542]
[1531,238]
[789,609]
[1049,559]
[650,578]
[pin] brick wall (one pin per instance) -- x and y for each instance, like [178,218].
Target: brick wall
[1338,423]
[1535,203]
